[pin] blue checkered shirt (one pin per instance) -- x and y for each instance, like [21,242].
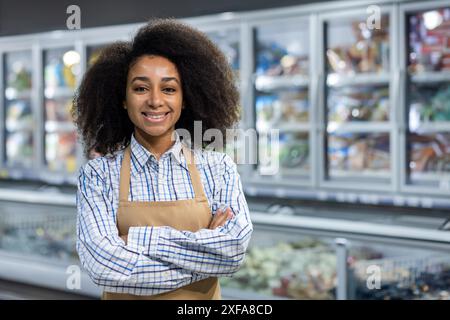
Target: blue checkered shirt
[158,259]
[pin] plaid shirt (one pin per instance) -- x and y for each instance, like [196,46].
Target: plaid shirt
[158,259]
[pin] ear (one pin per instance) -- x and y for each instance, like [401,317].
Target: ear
[124,106]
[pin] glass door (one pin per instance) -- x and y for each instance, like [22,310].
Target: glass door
[228,41]
[61,69]
[19,116]
[281,86]
[428,98]
[357,103]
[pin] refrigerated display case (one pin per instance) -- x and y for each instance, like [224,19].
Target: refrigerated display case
[229,42]
[427,93]
[61,69]
[297,251]
[282,98]
[307,251]
[326,79]
[18,111]
[358,155]
[357,89]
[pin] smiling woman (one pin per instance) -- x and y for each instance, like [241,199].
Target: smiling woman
[158,219]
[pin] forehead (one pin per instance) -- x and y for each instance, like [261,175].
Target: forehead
[154,65]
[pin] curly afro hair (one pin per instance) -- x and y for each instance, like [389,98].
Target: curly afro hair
[209,91]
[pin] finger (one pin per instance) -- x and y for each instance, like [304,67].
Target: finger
[219,219]
[230,215]
[215,218]
[223,218]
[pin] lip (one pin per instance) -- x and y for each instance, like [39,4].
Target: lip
[147,117]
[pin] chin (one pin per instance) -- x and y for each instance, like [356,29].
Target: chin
[156,132]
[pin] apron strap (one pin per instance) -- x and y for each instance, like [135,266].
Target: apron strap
[124,179]
[195,175]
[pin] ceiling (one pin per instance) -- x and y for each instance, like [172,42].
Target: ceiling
[27,16]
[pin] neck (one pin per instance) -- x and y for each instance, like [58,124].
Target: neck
[156,145]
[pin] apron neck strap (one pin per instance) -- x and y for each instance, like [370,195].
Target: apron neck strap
[125,169]
[193,172]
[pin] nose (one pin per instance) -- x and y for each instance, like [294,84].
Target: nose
[155,99]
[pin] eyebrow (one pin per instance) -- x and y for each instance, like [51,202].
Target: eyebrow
[146,79]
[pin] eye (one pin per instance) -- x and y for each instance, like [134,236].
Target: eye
[169,90]
[139,89]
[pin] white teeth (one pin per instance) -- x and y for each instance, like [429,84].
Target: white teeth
[155,117]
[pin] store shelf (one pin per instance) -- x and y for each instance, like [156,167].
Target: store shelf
[45,196]
[350,227]
[284,127]
[15,126]
[443,177]
[335,80]
[55,126]
[288,173]
[57,93]
[430,77]
[379,174]
[40,271]
[357,127]
[13,94]
[269,83]
[432,127]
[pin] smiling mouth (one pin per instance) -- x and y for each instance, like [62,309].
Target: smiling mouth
[155,117]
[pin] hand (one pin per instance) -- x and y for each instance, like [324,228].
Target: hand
[124,238]
[220,218]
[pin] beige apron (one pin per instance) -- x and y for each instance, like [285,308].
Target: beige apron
[191,214]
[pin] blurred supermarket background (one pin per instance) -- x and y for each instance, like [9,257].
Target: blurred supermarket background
[360,206]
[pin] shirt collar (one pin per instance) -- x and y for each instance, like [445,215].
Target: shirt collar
[140,155]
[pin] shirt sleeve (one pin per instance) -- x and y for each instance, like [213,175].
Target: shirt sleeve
[218,252]
[110,263]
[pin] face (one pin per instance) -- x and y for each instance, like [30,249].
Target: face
[154,97]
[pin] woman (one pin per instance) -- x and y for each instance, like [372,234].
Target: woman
[150,224]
